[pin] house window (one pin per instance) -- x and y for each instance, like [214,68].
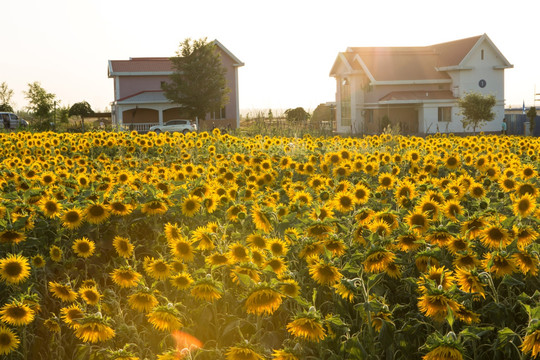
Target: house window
[482,54]
[445,114]
[369,116]
[345,103]
[219,113]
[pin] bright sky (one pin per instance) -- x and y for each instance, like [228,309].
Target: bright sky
[288,46]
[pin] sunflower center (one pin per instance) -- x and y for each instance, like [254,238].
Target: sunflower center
[386,181]
[418,219]
[528,172]
[97,210]
[72,216]
[524,205]
[13,269]
[160,267]
[5,340]
[526,189]
[495,234]
[183,248]
[91,295]
[9,236]
[16,312]
[452,161]
[190,205]
[83,247]
[51,206]
[118,207]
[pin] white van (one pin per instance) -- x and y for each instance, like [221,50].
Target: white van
[13,120]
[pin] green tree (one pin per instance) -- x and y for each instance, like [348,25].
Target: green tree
[531,114]
[41,103]
[476,109]
[297,115]
[5,97]
[198,84]
[82,109]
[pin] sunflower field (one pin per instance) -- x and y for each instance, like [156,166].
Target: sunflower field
[116,245]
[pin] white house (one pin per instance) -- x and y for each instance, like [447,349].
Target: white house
[416,87]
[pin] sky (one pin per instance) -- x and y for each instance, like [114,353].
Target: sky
[288,47]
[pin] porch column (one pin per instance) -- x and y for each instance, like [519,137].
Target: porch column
[160,116]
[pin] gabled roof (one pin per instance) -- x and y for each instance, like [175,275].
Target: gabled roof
[154,65]
[424,63]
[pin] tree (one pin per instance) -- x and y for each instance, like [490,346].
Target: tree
[531,114]
[81,109]
[198,84]
[5,97]
[297,115]
[41,102]
[476,109]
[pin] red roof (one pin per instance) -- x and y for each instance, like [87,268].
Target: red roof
[412,63]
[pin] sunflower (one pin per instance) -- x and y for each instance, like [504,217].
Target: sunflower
[181,281]
[378,259]
[238,273]
[90,295]
[93,329]
[72,219]
[336,246]
[457,245]
[424,259]
[71,315]
[164,318]
[191,205]
[261,219]
[418,221]
[238,252]
[526,188]
[405,189]
[173,232]
[444,352]
[142,300]
[319,230]
[499,263]
[257,241]
[119,208]
[408,242]
[452,209]
[156,207]
[495,236]
[343,201]
[439,275]
[9,341]
[324,274]
[62,292]
[277,265]
[16,314]
[278,247]
[242,352]
[125,277]
[123,246]
[203,238]
[55,253]
[469,281]
[236,212]
[436,303]
[477,191]
[345,290]
[14,269]
[52,325]
[525,235]
[473,227]
[83,247]
[524,205]
[393,270]
[311,248]
[531,342]
[50,207]
[206,289]
[290,288]
[157,268]
[284,354]
[526,263]
[379,227]
[217,259]
[38,261]
[96,213]
[307,326]
[466,261]
[263,300]
[11,237]
[440,237]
